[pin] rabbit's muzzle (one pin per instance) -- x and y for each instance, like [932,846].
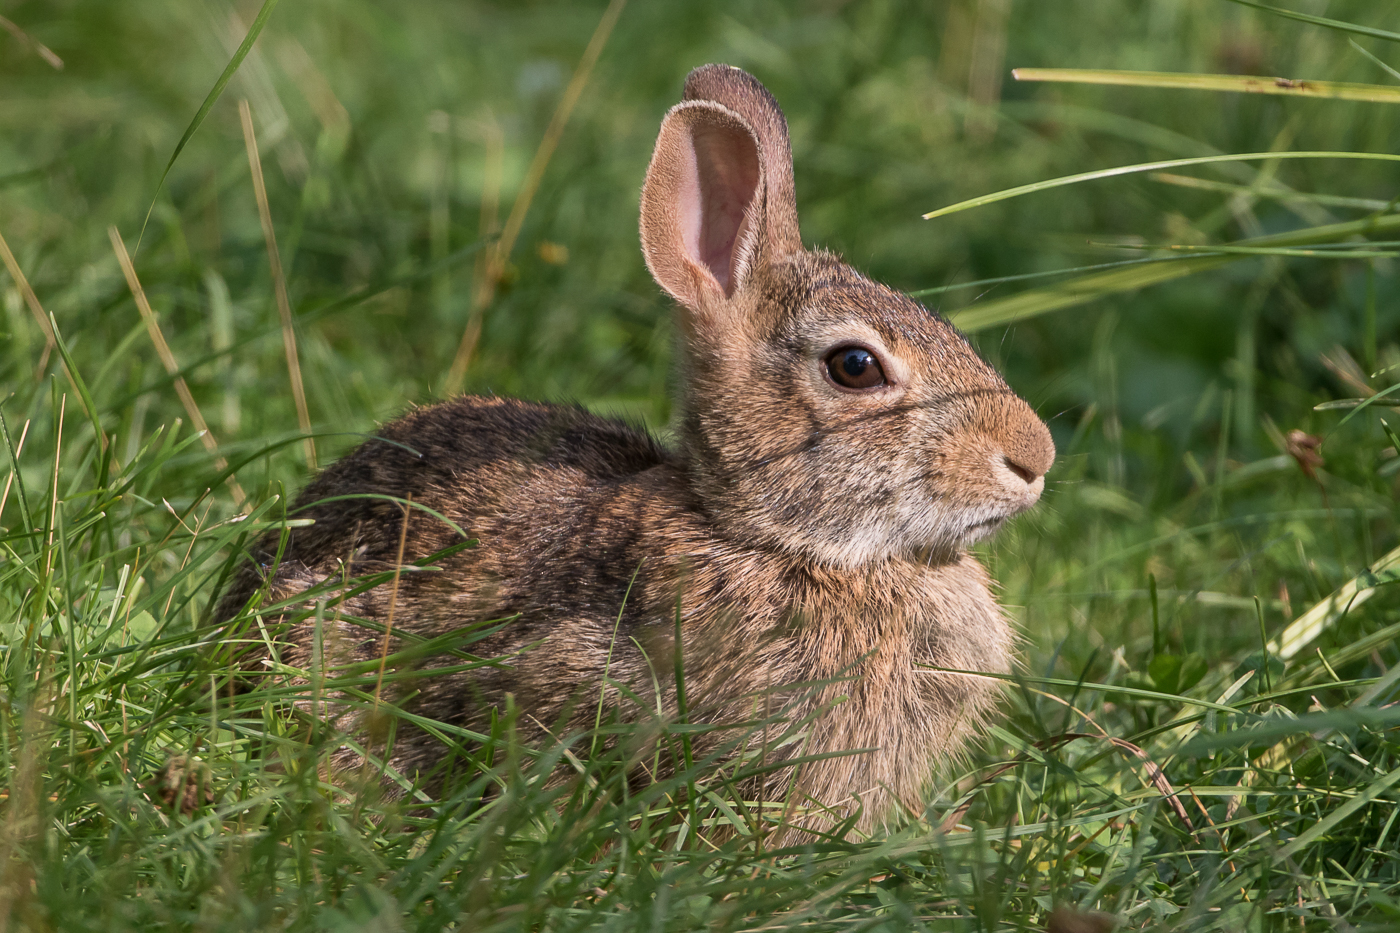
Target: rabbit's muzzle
[994,466]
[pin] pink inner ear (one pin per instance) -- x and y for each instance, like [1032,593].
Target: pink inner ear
[726,167]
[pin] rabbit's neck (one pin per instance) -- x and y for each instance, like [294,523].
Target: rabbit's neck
[901,612]
[889,640]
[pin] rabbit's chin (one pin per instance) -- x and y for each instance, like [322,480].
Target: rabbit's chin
[930,533]
[951,549]
[980,530]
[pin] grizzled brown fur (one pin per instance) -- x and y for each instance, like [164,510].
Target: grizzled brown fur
[807,531]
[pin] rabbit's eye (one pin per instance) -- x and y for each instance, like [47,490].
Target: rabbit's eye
[854,368]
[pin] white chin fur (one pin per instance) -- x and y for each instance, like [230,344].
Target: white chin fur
[980,530]
[934,529]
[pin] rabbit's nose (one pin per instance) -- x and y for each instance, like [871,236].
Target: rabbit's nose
[1018,486]
[1027,452]
[1026,473]
[1027,449]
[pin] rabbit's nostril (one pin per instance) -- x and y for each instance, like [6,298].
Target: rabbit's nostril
[1029,476]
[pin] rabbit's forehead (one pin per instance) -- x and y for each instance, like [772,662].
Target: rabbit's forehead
[843,306]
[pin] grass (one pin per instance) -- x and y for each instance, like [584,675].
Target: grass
[1161,760]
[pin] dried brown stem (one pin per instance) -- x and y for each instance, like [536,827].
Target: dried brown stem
[279,284]
[393,600]
[43,50]
[31,301]
[500,253]
[167,359]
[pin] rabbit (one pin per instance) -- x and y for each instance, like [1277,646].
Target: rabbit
[838,448]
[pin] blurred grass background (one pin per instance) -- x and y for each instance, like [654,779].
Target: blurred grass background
[396,138]
[394,141]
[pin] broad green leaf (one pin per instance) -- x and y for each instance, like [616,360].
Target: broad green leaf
[1165,671]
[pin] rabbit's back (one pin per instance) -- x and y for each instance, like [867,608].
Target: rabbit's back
[505,487]
[485,509]
[464,458]
[468,460]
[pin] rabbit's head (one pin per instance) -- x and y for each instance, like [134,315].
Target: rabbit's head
[823,414]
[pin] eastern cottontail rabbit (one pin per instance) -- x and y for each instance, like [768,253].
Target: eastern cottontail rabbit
[839,448]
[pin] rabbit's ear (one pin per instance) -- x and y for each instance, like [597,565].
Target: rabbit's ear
[718,198]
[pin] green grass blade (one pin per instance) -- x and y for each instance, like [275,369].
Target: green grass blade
[1064,180]
[1307,627]
[214,94]
[1288,252]
[89,406]
[1324,22]
[1384,398]
[1380,64]
[22,500]
[1027,276]
[313,312]
[1331,820]
[1080,290]
[1083,289]
[1083,685]
[1275,194]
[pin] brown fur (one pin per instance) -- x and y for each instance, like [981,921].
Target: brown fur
[807,533]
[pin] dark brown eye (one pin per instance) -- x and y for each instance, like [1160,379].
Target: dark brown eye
[854,368]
